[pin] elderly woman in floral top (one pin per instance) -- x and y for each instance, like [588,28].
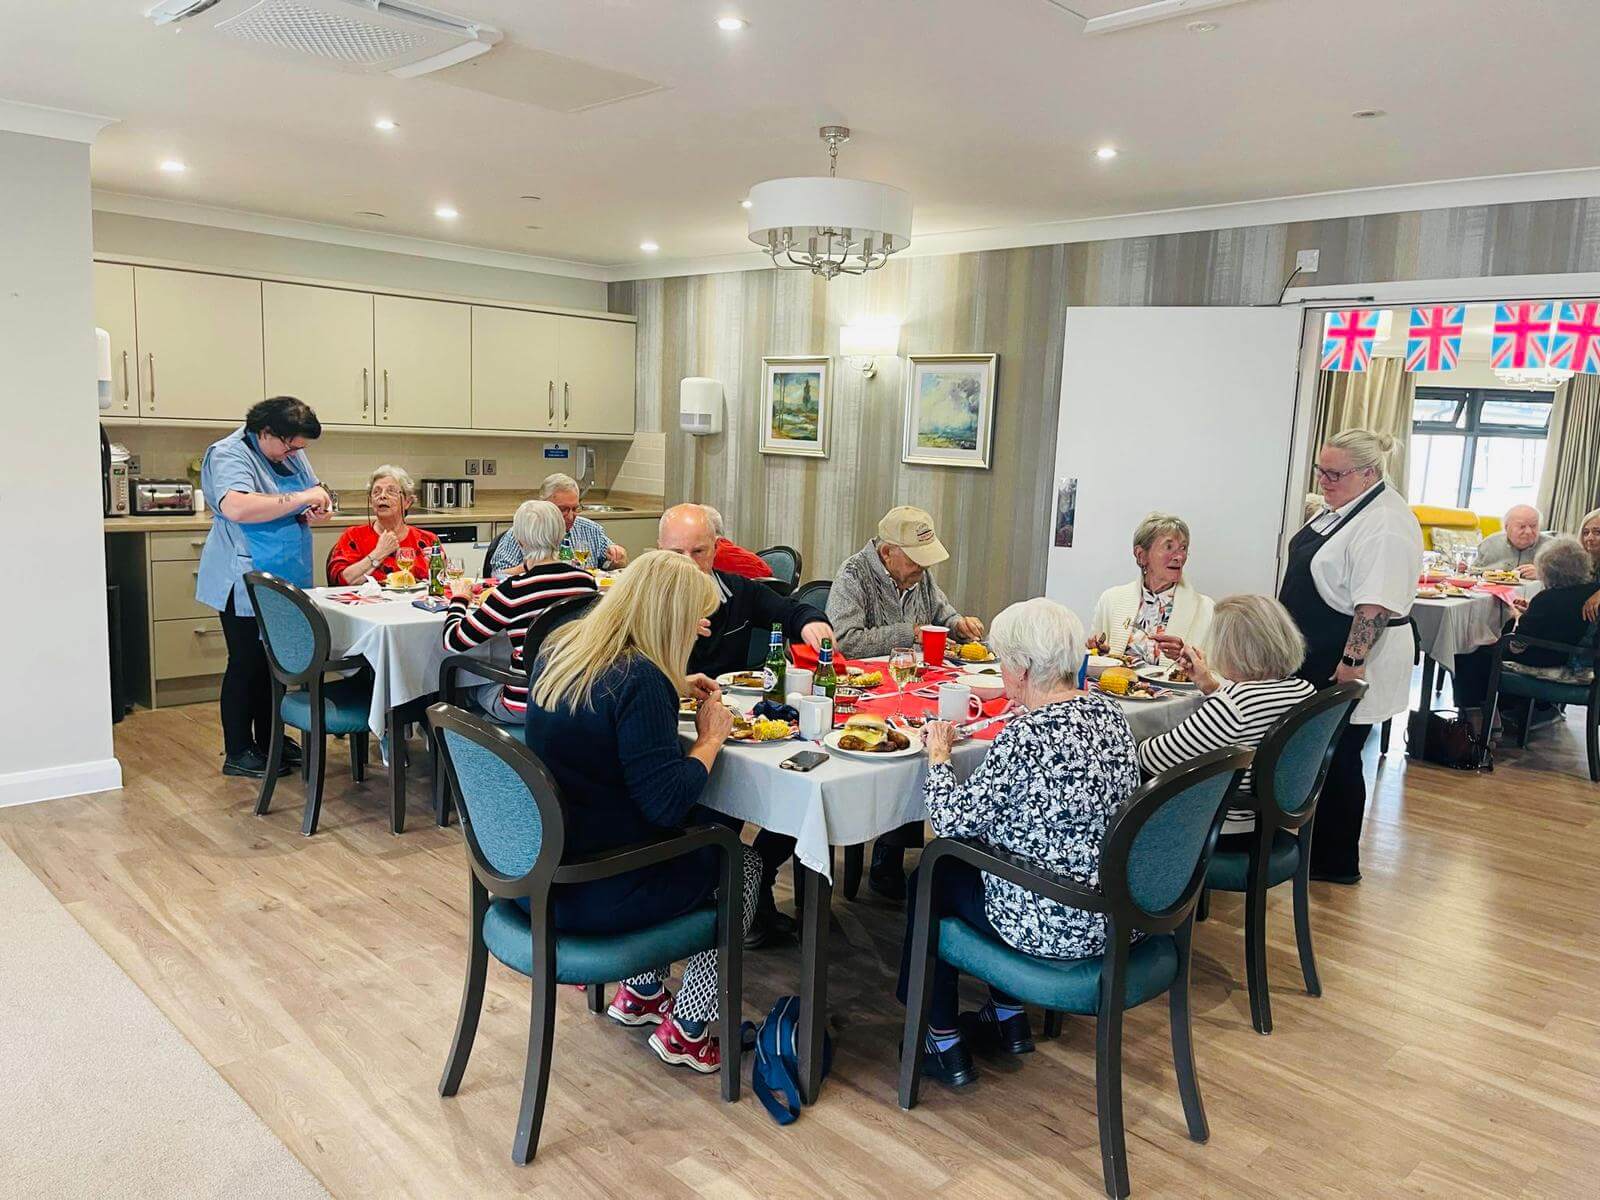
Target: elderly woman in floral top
[1044,792]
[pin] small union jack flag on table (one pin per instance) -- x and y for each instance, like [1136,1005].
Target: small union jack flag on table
[1575,344]
[1521,335]
[1347,339]
[1434,340]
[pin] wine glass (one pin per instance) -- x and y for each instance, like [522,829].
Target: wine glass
[582,555]
[902,669]
[453,571]
[404,557]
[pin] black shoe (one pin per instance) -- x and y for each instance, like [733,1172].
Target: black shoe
[952,1067]
[887,876]
[251,763]
[1344,878]
[769,927]
[987,1036]
[291,754]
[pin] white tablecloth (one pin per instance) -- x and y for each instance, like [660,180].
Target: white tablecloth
[1452,625]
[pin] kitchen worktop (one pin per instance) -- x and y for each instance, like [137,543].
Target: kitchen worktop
[490,506]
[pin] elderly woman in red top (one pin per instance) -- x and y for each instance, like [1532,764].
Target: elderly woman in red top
[369,549]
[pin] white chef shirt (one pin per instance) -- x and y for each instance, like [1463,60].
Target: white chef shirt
[1375,558]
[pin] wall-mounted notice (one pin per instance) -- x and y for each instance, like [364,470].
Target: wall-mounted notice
[557,450]
[1066,509]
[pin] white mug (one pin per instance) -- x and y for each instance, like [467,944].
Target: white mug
[816,716]
[957,703]
[799,679]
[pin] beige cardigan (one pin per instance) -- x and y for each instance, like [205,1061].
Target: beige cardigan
[1118,606]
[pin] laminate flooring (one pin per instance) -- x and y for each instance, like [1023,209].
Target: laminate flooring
[1455,1052]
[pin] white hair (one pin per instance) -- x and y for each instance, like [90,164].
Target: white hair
[1041,637]
[1564,563]
[698,512]
[1538,516]
[558,483]
[399,474]
[1368,451]
[715,518]
[538,527]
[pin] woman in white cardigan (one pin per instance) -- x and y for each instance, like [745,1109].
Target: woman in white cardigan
[1167,613]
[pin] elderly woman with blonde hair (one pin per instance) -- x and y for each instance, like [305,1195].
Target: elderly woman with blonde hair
[1158,613]
[370,548]
[603,718]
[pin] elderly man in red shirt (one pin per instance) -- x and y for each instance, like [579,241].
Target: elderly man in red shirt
[734,559]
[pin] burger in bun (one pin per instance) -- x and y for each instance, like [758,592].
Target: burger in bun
[870,733]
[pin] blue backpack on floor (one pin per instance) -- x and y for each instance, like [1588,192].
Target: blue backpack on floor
[775,1071]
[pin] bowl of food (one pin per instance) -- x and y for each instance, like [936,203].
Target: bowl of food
[984,687]
[845,699]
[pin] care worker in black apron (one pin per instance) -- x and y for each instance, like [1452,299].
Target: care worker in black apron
[1350,580]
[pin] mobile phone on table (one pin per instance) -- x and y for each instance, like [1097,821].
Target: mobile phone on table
[805,760]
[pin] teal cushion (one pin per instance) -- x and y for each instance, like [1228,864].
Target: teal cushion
[1064,984]
[345,705]
[504,816]
[1230,869]
[1512,684]
[598,957]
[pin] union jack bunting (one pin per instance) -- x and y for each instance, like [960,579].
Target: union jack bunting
[1575,344]
[1521,335]
[1434,340]
[1347,339]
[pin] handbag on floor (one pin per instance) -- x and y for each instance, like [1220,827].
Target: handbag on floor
[1449,738]
[775,1072]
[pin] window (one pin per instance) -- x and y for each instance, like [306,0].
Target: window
[1477,448]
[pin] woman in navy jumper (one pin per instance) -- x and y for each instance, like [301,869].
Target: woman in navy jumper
[603,717]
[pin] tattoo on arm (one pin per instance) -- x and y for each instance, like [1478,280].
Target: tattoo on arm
[1369,621]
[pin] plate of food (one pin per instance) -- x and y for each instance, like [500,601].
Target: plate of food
[1428,592]
[749,683]
[1123,683]
[403,581]
[863,679]
[688,708]
[969,652]
[1496,576]
[756,731]
[867,736]
[1169,674]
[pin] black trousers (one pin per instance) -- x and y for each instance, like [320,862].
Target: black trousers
[957,892]
[246,700]
[1336,836]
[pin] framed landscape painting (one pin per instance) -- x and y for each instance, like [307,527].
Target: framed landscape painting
[949,409]
[794,406]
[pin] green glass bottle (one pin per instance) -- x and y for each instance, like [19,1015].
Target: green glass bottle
[826,681]
[435,571]
[775,670]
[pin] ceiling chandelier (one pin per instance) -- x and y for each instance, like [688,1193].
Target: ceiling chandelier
[827,225]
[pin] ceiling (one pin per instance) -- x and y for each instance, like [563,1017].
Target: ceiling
[989,114]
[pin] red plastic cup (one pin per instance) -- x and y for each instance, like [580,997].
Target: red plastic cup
[933,643]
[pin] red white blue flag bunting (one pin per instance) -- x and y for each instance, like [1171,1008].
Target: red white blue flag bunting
[1521,335]
[1575,343]
[1434,340]
[1347,339]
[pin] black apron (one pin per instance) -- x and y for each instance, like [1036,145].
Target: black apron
[1326,629]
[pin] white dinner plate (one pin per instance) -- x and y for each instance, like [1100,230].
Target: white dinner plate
[725,682]
[404,591]
[831,741]
[794,734]
[1158,676]
[1135,698]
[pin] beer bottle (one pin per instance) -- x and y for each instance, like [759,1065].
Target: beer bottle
[826,681]
[435,570]
[774,671]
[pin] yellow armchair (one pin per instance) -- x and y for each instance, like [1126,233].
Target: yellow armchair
[1459,525]
[1488,525]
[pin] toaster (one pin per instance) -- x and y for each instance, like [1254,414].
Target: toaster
[163,498]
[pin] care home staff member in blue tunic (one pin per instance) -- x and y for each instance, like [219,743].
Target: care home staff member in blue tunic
[262,494]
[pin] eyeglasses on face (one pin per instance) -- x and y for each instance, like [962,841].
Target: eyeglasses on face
[1328,476]
[393,493]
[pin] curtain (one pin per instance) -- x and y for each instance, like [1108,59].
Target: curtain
[1379,399]
[1570,486]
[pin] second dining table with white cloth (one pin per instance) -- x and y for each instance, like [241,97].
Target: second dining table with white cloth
[1448,626]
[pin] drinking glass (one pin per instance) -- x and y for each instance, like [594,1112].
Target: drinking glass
[902,669]
[404,557]
[453,571]
[582,556]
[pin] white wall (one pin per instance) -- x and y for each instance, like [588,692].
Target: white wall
[55,708]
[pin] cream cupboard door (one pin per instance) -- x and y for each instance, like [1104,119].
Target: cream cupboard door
[319,349]
[514,371]
[423,352]
[113,312]
[199,344]
[595,392]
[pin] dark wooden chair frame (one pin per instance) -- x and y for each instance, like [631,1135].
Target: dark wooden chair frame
[1271,817]
[314,761]
[492,546]
[799,563]
[1123,917]
[1591,720]
[485,883]
[800,593]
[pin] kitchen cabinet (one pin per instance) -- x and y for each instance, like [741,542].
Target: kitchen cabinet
[199,344]
[633,534]
[515,368]
[113,312]
[423,354]
[595,391]
[317,345]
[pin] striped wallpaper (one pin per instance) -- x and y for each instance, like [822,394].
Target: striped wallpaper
[1012,303]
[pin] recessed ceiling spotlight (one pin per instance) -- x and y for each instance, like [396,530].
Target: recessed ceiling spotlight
[445,213]
[1106,153]
[1201,26]
[731,24]
[386,124]
[173,166]
[649,247]
[1368,114]
[376,216]
[744,204]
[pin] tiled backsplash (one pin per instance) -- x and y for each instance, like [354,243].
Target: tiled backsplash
[643,468]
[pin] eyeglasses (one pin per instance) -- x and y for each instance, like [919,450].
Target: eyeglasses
[1328,476]
[567,510]
[391,492]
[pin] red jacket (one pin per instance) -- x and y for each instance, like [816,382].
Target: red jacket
[736,560]
[359,540]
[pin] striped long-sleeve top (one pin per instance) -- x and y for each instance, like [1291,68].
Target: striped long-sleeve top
[510,607]
[1236,714]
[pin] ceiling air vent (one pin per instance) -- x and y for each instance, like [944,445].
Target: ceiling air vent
[368,35]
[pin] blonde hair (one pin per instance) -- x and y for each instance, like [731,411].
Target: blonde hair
[1593,515]
[1158,524]
[1254,637]
[653,612]
[1368,451]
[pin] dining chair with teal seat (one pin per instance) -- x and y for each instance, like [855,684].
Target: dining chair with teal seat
[816,592]
[514,825]
[1576,684]
[785,563]
[1153,860]
[1286,779]
[296,639]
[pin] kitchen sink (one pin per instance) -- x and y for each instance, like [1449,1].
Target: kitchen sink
[603,508]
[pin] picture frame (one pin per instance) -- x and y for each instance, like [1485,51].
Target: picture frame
[796,399]
[949,409]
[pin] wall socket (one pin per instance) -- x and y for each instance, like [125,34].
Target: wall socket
[488,466]
[133,464]
[1306,260]
[472,466]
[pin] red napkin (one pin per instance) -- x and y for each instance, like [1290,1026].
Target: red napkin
[804,657]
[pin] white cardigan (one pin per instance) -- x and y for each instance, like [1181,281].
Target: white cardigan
[1118,607]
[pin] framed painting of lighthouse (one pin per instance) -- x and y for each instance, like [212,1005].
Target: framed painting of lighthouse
[794,406]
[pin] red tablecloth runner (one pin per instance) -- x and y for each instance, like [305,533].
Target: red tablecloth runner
[1503,592]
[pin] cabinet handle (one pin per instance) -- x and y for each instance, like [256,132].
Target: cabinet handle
[202,631]
[386,391]
[364,392]
[566,389]
[552,416]
[197,542]
[124,381]
[151,358]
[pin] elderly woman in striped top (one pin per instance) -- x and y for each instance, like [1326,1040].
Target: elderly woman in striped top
[530,587]
[1249,682]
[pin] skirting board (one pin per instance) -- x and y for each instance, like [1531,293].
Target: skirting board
[52,783]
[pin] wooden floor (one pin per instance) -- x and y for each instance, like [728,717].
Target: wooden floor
[1456,1052]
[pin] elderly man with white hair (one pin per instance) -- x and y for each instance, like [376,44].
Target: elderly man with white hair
[583,535]
[1516,546]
